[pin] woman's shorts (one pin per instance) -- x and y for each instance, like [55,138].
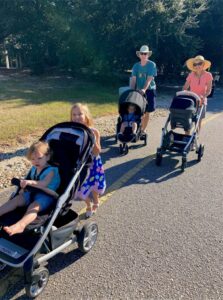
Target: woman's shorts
[151,100]
[44,200]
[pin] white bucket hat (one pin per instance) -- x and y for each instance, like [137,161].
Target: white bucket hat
[144,49]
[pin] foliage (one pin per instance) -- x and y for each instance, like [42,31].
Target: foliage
[101,36]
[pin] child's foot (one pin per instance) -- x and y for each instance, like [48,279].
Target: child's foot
[95,207]
[14,229]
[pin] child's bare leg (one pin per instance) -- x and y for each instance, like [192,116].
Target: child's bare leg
[95,201]
[134,127]
[88,204]
[88,208]
[123,125]
[28,218]
[12,204]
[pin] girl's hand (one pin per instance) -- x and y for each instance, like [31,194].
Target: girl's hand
[97,146]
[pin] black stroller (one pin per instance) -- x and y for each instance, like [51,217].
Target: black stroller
[135,98]
[58,227]
[184,113]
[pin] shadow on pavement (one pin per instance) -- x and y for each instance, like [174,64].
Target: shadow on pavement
[56,264]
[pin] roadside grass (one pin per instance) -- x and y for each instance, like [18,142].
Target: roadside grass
[32,104]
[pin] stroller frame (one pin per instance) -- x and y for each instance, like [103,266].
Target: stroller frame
[181,143]
[52,239]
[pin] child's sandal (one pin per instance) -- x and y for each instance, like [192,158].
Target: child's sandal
[95,207]
[89,212]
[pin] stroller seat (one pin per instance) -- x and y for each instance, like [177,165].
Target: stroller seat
[183,110]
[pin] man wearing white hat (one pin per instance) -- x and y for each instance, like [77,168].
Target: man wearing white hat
[142,78]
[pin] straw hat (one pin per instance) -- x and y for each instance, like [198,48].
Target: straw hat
[197,59]
[144,49]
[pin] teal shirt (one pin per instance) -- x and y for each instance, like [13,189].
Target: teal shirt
[143,72]
[55,182]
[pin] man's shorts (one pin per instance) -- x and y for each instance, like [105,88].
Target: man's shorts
[44,200]
[151,100]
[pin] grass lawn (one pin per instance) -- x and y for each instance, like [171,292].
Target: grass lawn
[32,104]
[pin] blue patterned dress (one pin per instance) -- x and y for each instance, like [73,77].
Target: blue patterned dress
[95,180]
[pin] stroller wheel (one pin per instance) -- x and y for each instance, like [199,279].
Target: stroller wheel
[87,237]
[184,163]
[121,149]
[126,149]
[39,281]
[146,139]
[159,158]
[200,152]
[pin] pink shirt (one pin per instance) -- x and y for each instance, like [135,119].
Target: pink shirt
[198,85]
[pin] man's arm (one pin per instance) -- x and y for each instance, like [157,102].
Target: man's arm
[133,82]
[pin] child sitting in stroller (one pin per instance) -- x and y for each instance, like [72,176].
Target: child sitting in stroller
[41,175]
[129,120]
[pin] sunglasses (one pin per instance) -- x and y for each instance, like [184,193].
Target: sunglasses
[197,64]
[143,53]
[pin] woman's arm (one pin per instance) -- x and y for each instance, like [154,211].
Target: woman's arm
[186,86]
[209,87]
[133,82]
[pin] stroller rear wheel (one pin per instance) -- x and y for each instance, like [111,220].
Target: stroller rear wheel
[159,158]
[40,279]
[87,237]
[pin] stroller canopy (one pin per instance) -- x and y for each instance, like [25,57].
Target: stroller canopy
[132,97]
[71,145]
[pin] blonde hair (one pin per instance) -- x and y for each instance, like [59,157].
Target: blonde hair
[40,146]
[84,108]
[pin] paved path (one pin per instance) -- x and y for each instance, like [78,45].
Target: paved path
[160,229]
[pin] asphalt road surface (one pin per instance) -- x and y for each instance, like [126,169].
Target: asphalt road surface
[161,230]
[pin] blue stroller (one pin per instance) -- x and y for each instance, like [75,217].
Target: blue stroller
[130,97]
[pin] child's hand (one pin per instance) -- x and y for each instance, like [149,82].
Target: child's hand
[23,183]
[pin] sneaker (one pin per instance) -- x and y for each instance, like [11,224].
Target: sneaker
[193,147]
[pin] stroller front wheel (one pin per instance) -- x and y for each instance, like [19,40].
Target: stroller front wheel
[40,279]
[184,163]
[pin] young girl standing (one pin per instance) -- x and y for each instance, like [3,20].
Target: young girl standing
[95,184]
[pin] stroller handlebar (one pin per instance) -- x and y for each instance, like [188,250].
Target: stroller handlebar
[189,93]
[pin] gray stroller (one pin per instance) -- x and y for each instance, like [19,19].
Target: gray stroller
[184,113]
[58,227]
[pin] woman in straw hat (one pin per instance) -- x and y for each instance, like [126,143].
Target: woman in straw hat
[199,80]
[142,78]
